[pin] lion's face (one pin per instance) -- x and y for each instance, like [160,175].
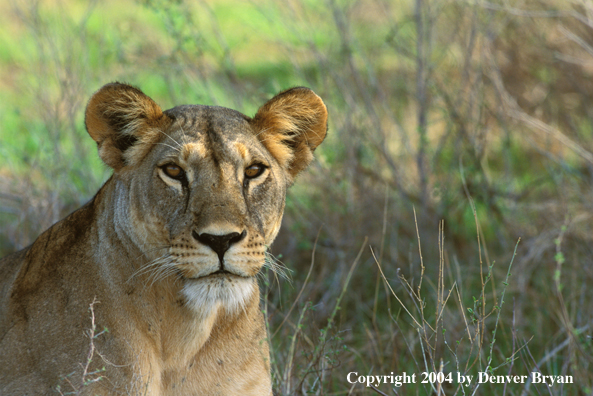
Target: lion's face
[201,189]
[219,197]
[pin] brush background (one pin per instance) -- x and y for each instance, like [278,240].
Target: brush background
[456,128]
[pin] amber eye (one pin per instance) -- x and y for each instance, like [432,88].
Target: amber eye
[254,171]
[173,171]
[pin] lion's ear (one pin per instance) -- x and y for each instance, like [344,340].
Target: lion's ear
[291,125]
[117,117]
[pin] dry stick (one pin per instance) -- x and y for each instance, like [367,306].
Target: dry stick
[505,283]
[373,387]
[482,321]
[514,330]
[469,336]
[441,300]
[480,324]
[291,352]
[378,280]
[440,384]
[421,305]
[440,313]
[419,251]
[442,261]
[424,355]
[392,292]
[383,232]
[454,353]
[555,133]
[296,300]
[351,389]
[420,328]
[573,37]
[417,301]
[440,288]
[91,335]
[85,368]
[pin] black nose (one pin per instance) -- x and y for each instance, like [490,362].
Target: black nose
[219,243]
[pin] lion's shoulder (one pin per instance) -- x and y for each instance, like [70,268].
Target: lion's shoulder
[49,257]
[9,269]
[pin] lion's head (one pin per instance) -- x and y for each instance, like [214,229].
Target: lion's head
[202,188]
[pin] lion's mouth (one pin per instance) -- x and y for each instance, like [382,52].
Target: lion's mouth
[219,273]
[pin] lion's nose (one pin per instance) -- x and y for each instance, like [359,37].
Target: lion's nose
[219,243]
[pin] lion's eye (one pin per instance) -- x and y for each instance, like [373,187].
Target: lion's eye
[254,170]
[173,171]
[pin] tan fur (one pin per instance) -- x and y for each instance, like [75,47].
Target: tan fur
[176,324]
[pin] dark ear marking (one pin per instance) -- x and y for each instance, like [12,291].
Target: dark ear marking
[122,143]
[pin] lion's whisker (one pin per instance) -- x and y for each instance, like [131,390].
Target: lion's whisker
[168,145]
[175,141]
[277,266]
[183,135]
[151,250]
[167,270]
[156,263]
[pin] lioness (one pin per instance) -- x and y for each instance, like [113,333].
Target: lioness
[169,248]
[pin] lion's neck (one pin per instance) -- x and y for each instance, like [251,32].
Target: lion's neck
[181,332]
[183,338]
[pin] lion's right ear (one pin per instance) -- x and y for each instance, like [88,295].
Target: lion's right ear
[117,117]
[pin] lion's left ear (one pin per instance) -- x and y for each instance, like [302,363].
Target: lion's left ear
[291,125]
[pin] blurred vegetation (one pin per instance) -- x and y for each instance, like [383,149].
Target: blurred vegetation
[456,128]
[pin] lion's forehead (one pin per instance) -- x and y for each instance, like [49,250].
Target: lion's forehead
[217,123]
[199,131]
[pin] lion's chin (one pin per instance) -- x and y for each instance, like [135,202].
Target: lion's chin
[207,294]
